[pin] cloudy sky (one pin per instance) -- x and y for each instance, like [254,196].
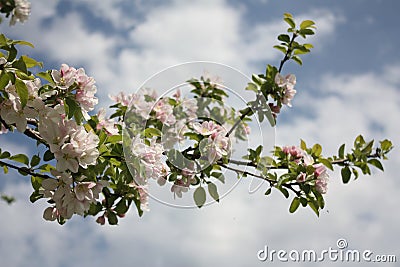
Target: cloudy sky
[350,84]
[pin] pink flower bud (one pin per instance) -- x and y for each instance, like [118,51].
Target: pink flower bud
[301,178]
[101,220]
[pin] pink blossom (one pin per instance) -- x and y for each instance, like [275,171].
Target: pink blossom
[301,178]
[179,187]
[65,77]
[321,184]
[85,93]
[320,169]
[108,125]
[150,157]
[218,146]
[3,129]
[206,128]
[122,98]
[308,160]
[287,83]
[294,151]
[164,112]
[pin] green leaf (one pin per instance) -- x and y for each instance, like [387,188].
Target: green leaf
[287,15]
[341,151]
[46,76]
[48,155]
[305,32]
[112,218]
[20,65]
[5,155]
[306,24]
[303,144]
[281,48]
[346,174]
[212,189]
[303,201]
[20,42]
[386,145]
[284,191]
[35,196]
[30,62]
[36,182]
[308,46]
[297,59]
[151,132]
[290,21]
[284,38]
[22,92]
[269,190]
[199,196]
[313,205]
[326,162]
[376,163]
[317,150]
[252,87]
[294,205]
[121,207]
[219,176]
[20,158]
[12,53]
[70,106]
[35,160]
[46,167]
[3,40]
[4,79]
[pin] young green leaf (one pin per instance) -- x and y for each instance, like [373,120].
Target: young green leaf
[294,205]
[35,160]
[290,21]
[376,163]
[199,196]
[281,48]
[341,151]
[212,189]
[346,174]
[297,59]
[22,92]
[307,24]
[22,158]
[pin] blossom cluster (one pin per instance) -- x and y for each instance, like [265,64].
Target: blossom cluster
[69,79]
[217,144]
[69,197]
[320,175]
[70,143]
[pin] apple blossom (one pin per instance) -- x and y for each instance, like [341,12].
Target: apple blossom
[180,187]
[21,11]
[85,93]
[206,128]
[3,129]
[287,83]
[65,77]
[108,125]
[164,112]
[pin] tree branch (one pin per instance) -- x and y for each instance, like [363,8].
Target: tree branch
[25,170]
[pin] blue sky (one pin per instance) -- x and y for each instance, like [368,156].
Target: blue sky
[349,84]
